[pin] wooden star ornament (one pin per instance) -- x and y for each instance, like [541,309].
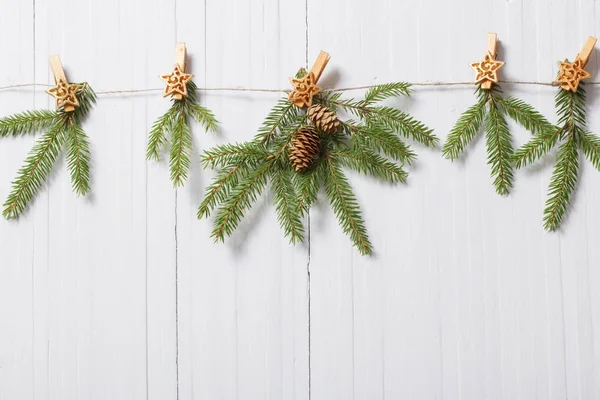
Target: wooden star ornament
[176,83]
[571,74]
[65,94]
[304,90]
[486,70]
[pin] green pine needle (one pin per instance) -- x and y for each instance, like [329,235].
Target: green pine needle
[227,154]
[239,201]
[536,148]
[380,140]
[27,122]
[284,198]
[590,145]
[220,188]
[205,117]
[464,130]
[524,114]
[499,147]
[366,162]
[283,114]
[307,184]
[562,184]
[157,137]
[176,123]
[387,90]
[345,206]
[181,149]
[78,158]
[36,170]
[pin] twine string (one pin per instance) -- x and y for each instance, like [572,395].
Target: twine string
[266,90]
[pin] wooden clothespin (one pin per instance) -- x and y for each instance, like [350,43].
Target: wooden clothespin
[571,74]
[306,87]
[486,70]
[64,92]
[176,81]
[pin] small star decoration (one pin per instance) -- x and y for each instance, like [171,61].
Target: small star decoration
[487,69]
[571,74]
[176,82]
[304,90]
[65,94]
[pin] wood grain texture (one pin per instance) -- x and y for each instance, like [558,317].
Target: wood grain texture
[123,295]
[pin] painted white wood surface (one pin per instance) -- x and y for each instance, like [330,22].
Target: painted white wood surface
[123,295]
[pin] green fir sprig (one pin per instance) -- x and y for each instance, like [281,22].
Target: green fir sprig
[571,136]
[489,113]
[62,129]
[175,122]
[371,145]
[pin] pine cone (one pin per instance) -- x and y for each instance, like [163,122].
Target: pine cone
[305,147]
[323,118]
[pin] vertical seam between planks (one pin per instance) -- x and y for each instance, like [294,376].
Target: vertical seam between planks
[176,303]
[308,282]
[33,236]
[176,263]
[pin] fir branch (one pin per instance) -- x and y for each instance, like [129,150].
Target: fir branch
[464,130]
[157,137]
[385,91]
[562,184]
[284,198]
[181,148]
[499,148]
[393,119]
[205,117]
[87,99]
[571,108]
[345,206]
[366,162]
[404,124]
[536,148]
[36,170]
[78,158]
[227,154]
[221,187]
[590,145]
[308,183]
[27,122]
[524,114]
[282,115]
[239,201]
[380,140]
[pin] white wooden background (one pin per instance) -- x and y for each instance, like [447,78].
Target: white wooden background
[123,295]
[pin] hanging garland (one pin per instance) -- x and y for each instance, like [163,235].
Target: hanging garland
[63,128]
[490,110]
[303,146]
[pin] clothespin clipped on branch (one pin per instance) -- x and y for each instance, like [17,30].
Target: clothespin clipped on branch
[571,74]
[64,92]
[486,70]
[176,81]
[306,87]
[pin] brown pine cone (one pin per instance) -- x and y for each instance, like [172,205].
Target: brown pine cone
[323,118]
[304,148]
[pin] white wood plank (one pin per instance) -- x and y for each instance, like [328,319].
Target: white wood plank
[243,330]
[17,250]
[92,306]
[123,294]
